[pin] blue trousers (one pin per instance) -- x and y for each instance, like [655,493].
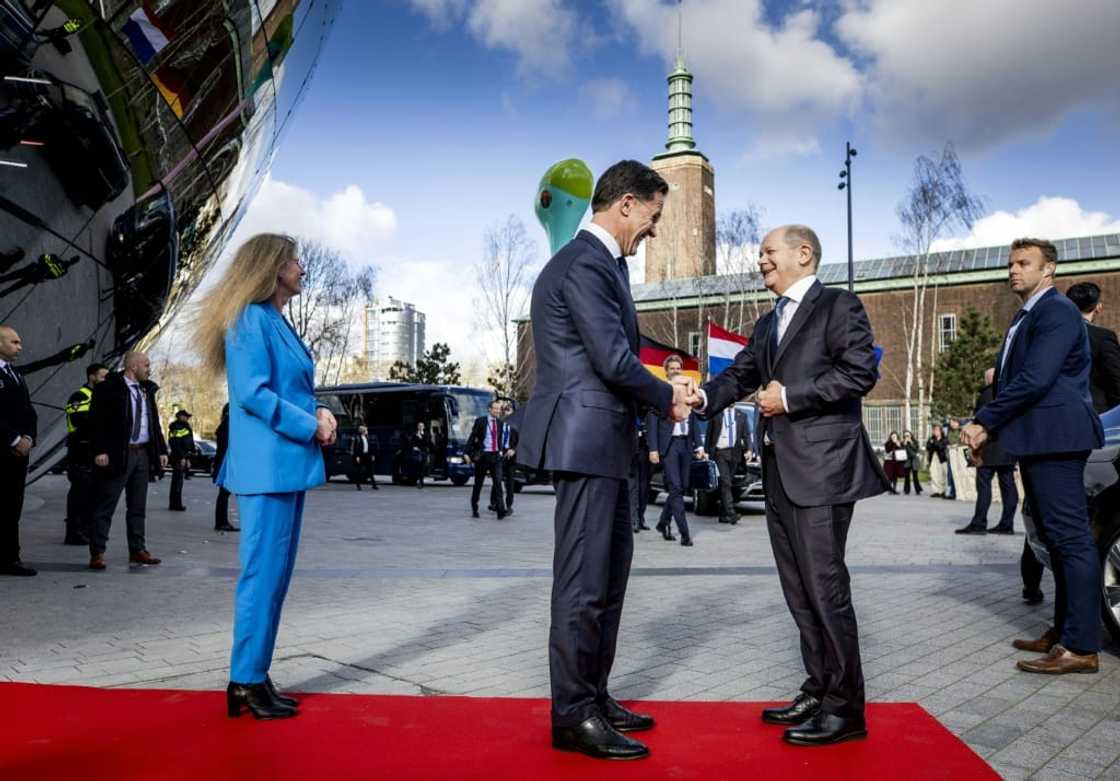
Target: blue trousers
[270,525]
[1056,490]
[677,463]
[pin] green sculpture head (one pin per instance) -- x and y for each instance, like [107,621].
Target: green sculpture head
[562,199]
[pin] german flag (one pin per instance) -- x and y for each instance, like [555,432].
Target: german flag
[653,355]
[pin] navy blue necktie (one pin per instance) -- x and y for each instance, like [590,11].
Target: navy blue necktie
[625,271]
[779,307]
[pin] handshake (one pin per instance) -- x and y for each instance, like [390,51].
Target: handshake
[686,397]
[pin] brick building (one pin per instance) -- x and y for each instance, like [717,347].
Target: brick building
[675,311]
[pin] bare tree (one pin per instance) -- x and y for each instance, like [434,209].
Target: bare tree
[737,239]
[504,276]
[323,314]
[937,202]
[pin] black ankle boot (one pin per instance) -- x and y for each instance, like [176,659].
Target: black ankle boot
[258,699]
[283,699]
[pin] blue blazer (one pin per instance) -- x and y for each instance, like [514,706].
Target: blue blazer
[271,376]
[1042,403]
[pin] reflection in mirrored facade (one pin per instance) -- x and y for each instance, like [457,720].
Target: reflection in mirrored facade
[132,138]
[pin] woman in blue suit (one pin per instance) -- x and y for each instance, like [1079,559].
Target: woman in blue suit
[275,438]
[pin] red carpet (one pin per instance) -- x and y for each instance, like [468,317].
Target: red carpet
[68,732]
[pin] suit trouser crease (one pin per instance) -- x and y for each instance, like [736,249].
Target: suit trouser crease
[270,529]
[809,545]
[591,567]
[13,476]
[1008,495]
[677,462]
[1055,489]
[133,482]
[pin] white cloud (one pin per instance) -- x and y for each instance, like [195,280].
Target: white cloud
[981,73]
[344,220]
[540,33]
[609,98]
[1047,218]
[784,71]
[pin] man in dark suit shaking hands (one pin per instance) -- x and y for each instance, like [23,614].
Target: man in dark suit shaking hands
[812,357]
[1043,414]
[580,424]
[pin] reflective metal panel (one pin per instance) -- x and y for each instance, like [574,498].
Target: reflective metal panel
[132,138]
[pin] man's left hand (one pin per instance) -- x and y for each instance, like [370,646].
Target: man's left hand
[701,455]
[974,436]
[770,400]
[163,462]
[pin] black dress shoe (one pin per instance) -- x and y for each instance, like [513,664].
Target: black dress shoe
[970,529]
[643,527]
[686,543]
[623,719]
[1033,597]
[16,568]
[474,513]
[804,707]
[824,729]
[1001,530]
[502,514]
[596,738]
[229,527]
[291,702]
[179,509]
[258,699]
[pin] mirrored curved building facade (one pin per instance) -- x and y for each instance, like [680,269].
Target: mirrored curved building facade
[133,136]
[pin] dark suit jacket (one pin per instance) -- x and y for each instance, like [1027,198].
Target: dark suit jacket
[221,437]
[659,432]
[1042,402]
[715,429]
[17,416]
[110,419]
[590,382]
[993,455]
[1104,377]
[477,440]
[827,366]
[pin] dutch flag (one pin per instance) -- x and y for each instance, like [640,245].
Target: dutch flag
[146,34]
[723,346]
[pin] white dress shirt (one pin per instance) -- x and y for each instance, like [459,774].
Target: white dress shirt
[134,388]
[680,428]
[603,235]
[725,442]
[1011,333]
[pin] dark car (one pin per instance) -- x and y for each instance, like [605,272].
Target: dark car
[1102,485]
[202,458]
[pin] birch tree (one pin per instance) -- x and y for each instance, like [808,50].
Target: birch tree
[737,239]
[937,203]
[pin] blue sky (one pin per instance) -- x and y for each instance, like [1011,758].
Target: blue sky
[430,120]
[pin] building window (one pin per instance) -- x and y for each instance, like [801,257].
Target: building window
[946,331]
[694,342]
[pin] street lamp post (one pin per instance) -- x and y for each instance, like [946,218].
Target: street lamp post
[846,184]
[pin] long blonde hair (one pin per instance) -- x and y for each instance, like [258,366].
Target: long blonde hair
[250,278]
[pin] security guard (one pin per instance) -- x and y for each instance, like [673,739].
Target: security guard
[180,441]
[79,459]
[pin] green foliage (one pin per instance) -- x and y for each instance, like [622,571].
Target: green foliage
[435,368]
[960,369]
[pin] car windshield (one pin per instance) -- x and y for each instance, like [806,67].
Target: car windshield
[471,406]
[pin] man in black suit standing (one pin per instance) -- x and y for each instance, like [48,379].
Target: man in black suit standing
[996,463]
[126,439]
[727,441]
[484,449]
[812,357]
[673,444]
[579,424]
[221,504]
[509,453]
[18,429]
[363,453]
[639,478]
[1104,377]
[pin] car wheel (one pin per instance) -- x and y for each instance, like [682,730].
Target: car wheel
[1110,583]
[459,481]
[517,487]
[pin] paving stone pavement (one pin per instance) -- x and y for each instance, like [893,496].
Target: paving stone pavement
[400,591]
